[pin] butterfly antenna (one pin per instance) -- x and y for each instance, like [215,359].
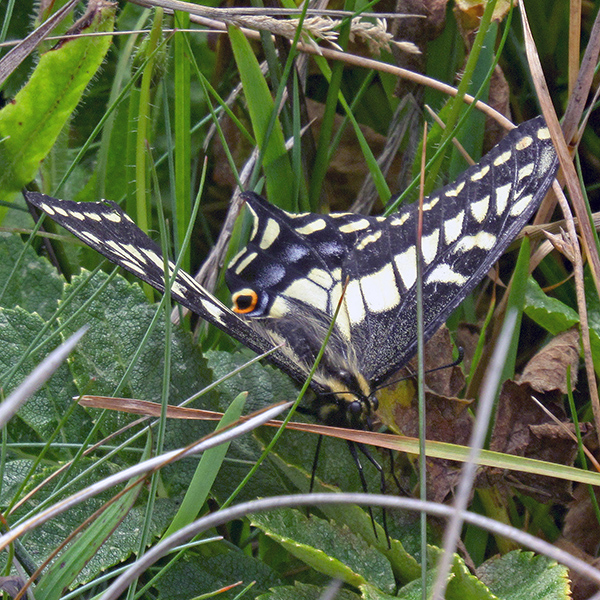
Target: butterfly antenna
[455,363]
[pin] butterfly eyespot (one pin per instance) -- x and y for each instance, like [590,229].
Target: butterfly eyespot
[244,301]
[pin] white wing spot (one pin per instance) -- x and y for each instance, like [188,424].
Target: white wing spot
[61,211]
[479,209]
[279,308]
[134,252]
[213,310]
[399,221]
[504,157]
[155,258]
[354,304]
[113,216]
[308,292]
[119,249]
[92,239]
[270,234]
[521,205]
[47,209]
[543,133]
[380,290]
[237,257]
[320,277]
[445,274]
[312,227]
[93,216]
[429,246]
[356,226]
[481,173]
[456,191]
[245,262]
[483,240]
[406,263]
[77,215]
[177,288]
[524,142]
[127,264]
[525,171]
[369,239]
[453,227]
[546,159]
[429,205]
[502,195]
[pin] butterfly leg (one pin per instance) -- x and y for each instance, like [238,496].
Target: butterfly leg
[352,446]
[382,485]
[313,473]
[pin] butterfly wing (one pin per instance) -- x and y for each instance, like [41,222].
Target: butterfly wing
[466,227]
[107,229]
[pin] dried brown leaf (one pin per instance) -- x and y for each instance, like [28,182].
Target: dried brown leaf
[522,428]
[547,370]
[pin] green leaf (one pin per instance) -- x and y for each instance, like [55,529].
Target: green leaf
[87,545]
[522,575]
[119,317]
[206,472]
[516,301]
[551,314]
[32,121]
[276,163]
[45,408]
[404,566]
[203,575]
[461,585]
[332,550]
[303,591]
[34,286]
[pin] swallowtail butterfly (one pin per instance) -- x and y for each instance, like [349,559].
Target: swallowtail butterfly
[287,282]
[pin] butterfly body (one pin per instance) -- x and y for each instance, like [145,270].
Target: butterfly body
[296,268]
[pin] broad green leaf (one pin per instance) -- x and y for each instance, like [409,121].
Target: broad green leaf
[551,314]
[303,591]
[521,575]
[43,411]
[200,575]
[260,106]
[32,121]
[34,286]
[404,566]
[119,317]
[71,561]
[555,316]
[461,584]
[332,550]
[265,385]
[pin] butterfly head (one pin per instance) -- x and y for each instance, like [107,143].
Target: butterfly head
[349,401]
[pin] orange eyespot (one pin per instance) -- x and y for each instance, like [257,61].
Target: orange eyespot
[244,301]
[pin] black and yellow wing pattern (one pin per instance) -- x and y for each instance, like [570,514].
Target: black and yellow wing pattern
[288,280]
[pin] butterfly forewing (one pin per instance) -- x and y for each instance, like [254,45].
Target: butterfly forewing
[466,227]
[106,228]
